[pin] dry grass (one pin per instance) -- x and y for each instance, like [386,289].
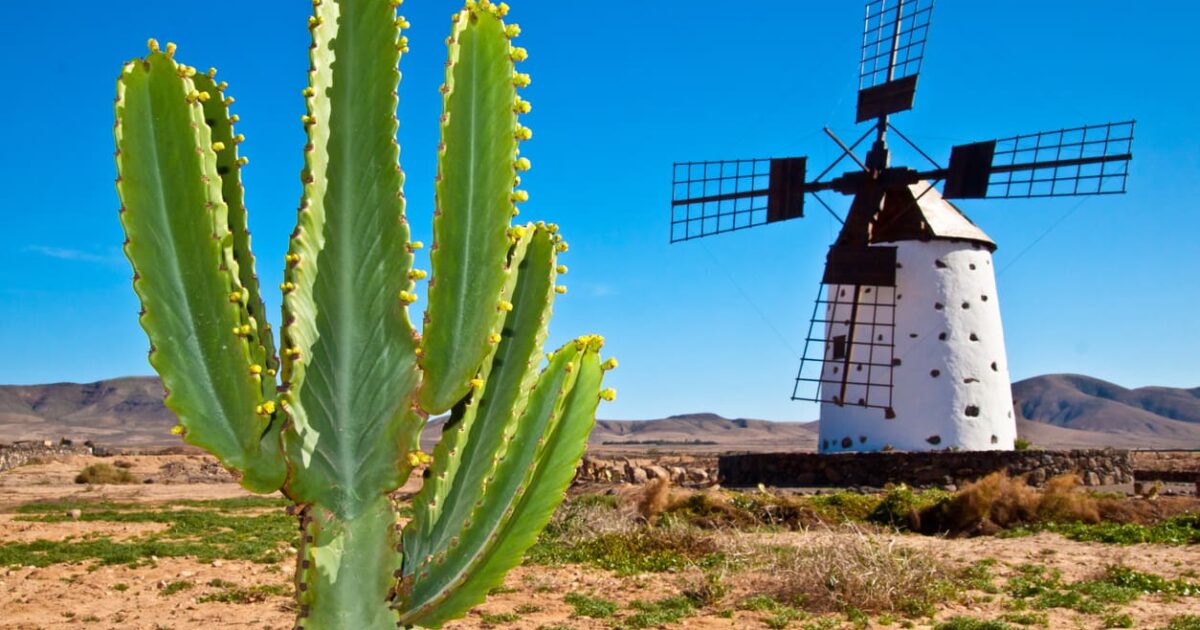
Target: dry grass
[654,498]
[104,473]
[997,502]
[836,571]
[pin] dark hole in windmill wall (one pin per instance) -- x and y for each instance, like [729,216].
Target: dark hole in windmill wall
[942,336]
[974,337]
[889,414]
[862,439]
[847,442]
[995,440]
[937,306]
[935,373]
[839,347]
[934,439]
[983,298]
[995,368]
[972,266]
[896,361]
[966,305]
[939,264]
[972,411]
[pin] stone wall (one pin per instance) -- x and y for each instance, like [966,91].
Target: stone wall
[21,453]
[680,470]
[1094,467]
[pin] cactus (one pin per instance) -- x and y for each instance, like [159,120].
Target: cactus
[334,424]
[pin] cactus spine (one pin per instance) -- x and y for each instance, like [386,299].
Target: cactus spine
[334,422]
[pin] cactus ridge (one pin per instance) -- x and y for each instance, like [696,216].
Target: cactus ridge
[333,419]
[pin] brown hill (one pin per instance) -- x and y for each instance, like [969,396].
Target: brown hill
[1164,416]
[1058,411]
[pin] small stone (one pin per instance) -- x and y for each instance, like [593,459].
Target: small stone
[216,563]
[74,514]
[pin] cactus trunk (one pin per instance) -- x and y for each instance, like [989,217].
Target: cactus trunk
[346,568]
[334,422]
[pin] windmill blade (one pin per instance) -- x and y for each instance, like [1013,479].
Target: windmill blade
[894,35]
[1088,160]
[715,197]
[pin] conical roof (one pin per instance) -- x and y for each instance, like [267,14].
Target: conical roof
[918,212]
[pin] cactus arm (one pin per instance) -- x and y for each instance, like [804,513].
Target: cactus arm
[178,241]
[473,199]
[477,429]
[349,349]
[526,484]
[256,328]
[220,124]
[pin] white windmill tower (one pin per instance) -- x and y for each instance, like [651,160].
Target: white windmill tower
[911,349]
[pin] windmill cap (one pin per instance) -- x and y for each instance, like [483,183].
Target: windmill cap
[917,212]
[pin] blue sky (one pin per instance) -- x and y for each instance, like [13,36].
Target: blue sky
[1109,286]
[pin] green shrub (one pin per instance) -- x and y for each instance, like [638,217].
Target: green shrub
[968,623]
[588,606]
[104,473]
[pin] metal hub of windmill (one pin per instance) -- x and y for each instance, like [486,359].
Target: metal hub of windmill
[929,371]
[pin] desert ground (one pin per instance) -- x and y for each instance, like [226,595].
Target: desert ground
[193,550]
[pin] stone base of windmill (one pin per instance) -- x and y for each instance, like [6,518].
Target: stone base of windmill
[1094,467]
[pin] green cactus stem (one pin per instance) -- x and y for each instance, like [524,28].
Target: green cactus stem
[333,421]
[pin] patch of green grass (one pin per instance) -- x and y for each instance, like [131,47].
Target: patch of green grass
[61,506]
[1150,583]
[969,623]
[1184,622]
[899,503]
[497,619]
[1119,586]
[527,609]
[780,615]
[175,587]
[628,553]
[206,534]
[844,506]
[234,594]
[1179,530]
[978,576]
[120,587]
[502,590]
[591,499]
[1027,618]
[1118,620]
[588,606]
[659,612]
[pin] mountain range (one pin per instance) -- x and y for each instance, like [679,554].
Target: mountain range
[1057,410]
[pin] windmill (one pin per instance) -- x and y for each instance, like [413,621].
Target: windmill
[911,356]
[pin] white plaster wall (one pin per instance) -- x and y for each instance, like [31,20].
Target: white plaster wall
[950,381]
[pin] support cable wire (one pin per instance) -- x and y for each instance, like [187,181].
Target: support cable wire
[746,296]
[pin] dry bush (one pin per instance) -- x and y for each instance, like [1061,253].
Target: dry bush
[998,501]
[104,473]
[836,571]
[654,499]
[713,509]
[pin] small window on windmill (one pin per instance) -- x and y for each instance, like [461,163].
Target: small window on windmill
[839,347]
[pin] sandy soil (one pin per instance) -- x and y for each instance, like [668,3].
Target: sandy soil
[80,596]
